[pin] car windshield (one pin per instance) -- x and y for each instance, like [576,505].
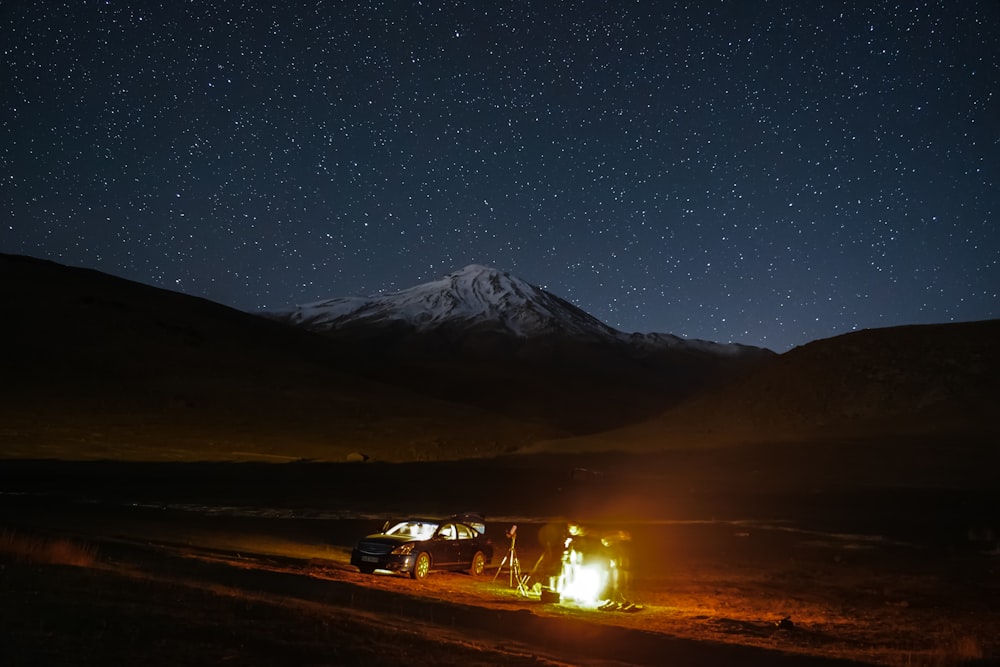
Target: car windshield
[422,530]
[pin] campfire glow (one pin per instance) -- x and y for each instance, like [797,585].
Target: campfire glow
[581,582]
[584,568]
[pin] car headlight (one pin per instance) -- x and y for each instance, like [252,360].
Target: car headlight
[403,549]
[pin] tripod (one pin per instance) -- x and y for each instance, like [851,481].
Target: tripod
[513,565]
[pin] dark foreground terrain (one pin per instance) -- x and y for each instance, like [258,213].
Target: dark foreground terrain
[164,564]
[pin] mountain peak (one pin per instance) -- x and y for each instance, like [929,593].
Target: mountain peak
[475,295]
[475,269]
[482,298]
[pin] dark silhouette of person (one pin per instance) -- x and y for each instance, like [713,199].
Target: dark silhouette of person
[619,544]
[552,538]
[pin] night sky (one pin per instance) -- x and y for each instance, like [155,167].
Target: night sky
[768,173]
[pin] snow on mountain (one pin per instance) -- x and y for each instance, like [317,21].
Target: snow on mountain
[485,299]
[474,295]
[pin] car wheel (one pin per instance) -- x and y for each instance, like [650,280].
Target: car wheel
[478,564]
[421,566]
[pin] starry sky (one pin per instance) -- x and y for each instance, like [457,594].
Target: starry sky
[763,172]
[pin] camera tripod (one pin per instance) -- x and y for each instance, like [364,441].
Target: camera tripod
[513,564]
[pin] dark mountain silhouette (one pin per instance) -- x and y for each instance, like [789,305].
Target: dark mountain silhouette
[939,382]
[98,366]
[929,379]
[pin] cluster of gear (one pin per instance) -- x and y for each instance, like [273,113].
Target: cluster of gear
[589,569]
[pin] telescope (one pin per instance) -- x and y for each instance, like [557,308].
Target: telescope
[513,564]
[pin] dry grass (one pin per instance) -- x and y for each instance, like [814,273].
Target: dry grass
[959,651]
[47,550]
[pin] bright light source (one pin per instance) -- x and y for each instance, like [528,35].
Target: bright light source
[582,583]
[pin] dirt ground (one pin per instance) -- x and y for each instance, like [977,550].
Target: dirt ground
[248,564]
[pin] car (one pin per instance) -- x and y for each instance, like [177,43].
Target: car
[418,546]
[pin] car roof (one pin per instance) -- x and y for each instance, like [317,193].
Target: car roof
[469,518]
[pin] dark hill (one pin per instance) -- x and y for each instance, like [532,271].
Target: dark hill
[98,366]
[924,381]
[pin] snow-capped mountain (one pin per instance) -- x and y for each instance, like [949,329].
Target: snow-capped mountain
[489,339]
[475,296]
[481,298]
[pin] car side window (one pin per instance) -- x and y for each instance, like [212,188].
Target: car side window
[448,531]
[463,532]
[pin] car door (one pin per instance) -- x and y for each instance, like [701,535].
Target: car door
[446,546]
[466,544]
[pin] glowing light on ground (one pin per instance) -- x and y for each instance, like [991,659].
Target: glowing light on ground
[580,583]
